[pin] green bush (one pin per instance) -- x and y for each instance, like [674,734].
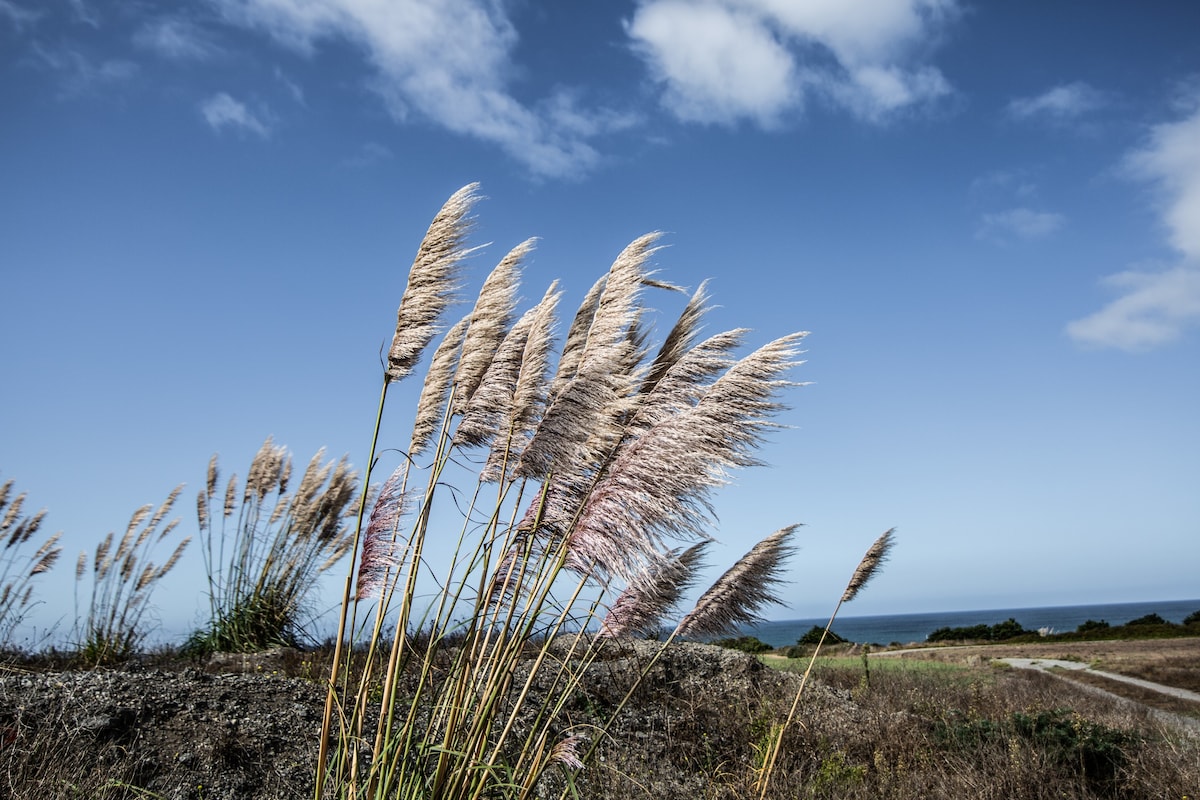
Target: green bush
[1149,619]
[1192,618]
[1092,626]
[1094,752]
[813,636]
[1008,629]
[747,644]
[1097,752]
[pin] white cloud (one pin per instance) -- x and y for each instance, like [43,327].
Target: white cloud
[726,60]
[1019,223]
[1061,103]
[718,65]
[1155,307]
[1171,159]
[445,60]
[175,39]
[222,111]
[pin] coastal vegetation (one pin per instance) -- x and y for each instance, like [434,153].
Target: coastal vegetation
[1150,626]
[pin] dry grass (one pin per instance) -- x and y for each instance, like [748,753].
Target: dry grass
[1171,662]
[943,729]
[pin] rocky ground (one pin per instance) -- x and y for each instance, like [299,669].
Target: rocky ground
[239,728]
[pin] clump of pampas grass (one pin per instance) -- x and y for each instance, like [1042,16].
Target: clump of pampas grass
[123,576]
[19,567]
[265,541]
[573,486]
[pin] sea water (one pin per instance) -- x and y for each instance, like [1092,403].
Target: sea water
[908,628]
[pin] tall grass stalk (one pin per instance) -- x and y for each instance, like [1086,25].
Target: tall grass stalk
[18,567]
[867,568]
[265,541]
[572,477]
[122,578]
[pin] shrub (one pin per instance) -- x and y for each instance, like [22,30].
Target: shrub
[814,634]
[747,644]
[1092,626]
[264,546]
[1008,629]
[18,568]
[1149,619]
[122,581]
[1192,618]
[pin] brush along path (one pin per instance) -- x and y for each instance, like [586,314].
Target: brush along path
[189,734]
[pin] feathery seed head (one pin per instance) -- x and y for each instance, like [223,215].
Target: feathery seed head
[432,282]
[14,510]
[210,481]
[174,559]
[747,586]
[432,402]
[231,495]
[489,323]
[871,563]
[566,751]
[640,608]
[202,509]
[378,552]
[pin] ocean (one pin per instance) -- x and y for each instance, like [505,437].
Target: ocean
[908,628]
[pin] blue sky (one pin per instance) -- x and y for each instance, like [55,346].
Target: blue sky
[987,214]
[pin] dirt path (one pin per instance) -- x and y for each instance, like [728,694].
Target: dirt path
[1053,663]
[1049,665]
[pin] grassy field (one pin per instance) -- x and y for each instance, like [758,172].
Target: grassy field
[947,721]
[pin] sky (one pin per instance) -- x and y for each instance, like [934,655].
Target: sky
[986,214]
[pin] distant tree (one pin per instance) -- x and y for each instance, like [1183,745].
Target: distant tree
[747,644]
[813,636]
[1092,626]
[1149,619]
[1192,618]
[1006,630]
[985,633]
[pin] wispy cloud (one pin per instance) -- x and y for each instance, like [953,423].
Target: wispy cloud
[223,112]
[18,15]
[292,87]
[444,60]
[723,61]
[1019,223]
[1003,183]
[81,75]
[369,154]
[175,39]
[1156,307]
[84,13]
[1064,102]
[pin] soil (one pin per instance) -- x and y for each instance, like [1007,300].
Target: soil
[242,727]
[238,727]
